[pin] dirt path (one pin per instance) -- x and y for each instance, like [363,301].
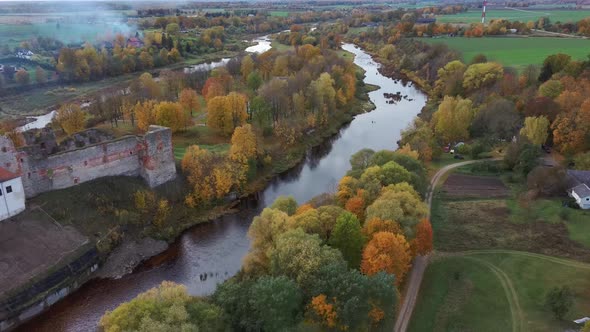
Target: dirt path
[516,313]
[420,262]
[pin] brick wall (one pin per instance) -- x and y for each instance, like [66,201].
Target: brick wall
[149,156]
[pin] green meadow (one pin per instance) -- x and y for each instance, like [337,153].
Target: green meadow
[515,52]
[517,14]
[498,290]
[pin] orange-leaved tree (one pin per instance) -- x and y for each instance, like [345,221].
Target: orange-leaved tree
[323,312]
[189,100]
[387,252]
[423,240]
[376,225]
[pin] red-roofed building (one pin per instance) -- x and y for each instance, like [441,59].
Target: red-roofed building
[12,194]
[135,42]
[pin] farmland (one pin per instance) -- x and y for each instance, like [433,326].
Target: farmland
[515,52]
[497,258]
[474,15]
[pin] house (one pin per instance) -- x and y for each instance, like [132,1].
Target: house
[579,187]
[12,194]
[24,54]
[134,42]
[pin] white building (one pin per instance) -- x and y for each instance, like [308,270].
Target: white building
[12,194]
[581,193]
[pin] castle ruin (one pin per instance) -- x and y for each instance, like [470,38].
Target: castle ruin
[44,165]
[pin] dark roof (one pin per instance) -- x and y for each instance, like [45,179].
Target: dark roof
[6,175]
[581,190]
[579,177]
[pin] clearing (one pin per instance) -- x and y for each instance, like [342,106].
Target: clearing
[515,52]
[497,291]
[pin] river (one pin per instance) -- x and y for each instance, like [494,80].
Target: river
[216,249]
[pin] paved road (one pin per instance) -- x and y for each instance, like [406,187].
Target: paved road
[420,262]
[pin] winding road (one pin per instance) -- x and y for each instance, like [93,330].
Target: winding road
[420,262]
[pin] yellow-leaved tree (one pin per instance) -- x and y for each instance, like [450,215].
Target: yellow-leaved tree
[70,118]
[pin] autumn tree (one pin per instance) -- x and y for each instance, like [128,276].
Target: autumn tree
[536,129]
[453,118]
[22,77]
[423,240]
[551,89]
[450,79]
[387,252]
[149,89]
[376,225]
[189,100]
[244,149]
[482,75]
[247,66]
[171,115]
[571,130]
[40,75]
[264,232]
[225,113]
[400,203]
[356,205]
[298,256]
[165,308]
[348,238]
[70,118]
[582,161]
[210,175]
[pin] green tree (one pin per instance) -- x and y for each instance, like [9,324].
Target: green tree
[359,161]
[551,89]
[553,64]
[348,238]
[392,173]
[582,161]
[173,29]
[560,301]
[536,129]
[299,255]
[287,204]
[254,80]
[401,203]
[277,301]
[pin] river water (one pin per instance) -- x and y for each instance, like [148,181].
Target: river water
[208,254]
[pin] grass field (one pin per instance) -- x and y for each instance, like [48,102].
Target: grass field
[523,15]
[13,34]
[498,291]
[514,51]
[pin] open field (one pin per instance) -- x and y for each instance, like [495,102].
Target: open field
[497,291]
[516,52]
[517,14]
[464,221]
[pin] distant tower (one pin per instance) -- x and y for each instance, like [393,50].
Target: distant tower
[483,12]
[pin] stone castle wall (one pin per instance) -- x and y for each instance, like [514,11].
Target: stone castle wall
[149,156]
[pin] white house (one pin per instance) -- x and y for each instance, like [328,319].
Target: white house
[581,193]
[12,194]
